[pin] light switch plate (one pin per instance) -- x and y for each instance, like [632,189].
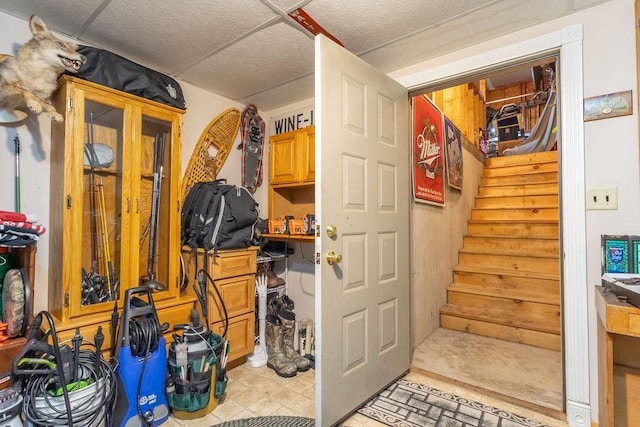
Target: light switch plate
[602,198]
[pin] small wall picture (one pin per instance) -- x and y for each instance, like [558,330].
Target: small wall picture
[453,150]
[620,254]
[615,254]
[607,106]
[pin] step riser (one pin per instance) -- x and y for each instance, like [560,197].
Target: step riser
[504,281]
[546,231]
[519,190]
[534,338]
[516,201]
[539,178]
[511,263]
[511,246]
[535,214]
[524,159]
[524,311]
[510,171]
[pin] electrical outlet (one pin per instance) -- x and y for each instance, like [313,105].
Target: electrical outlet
[602,198]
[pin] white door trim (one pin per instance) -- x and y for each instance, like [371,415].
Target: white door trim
[568,42]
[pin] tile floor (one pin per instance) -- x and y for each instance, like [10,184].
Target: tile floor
[253,392]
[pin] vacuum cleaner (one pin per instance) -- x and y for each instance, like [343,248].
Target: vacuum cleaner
[142,368]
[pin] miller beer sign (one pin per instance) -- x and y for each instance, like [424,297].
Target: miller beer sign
[428,152]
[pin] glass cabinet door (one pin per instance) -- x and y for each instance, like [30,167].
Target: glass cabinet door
[103,164]
[154,200]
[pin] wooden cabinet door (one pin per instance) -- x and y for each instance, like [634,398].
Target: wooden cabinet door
[307,156]
[282,159]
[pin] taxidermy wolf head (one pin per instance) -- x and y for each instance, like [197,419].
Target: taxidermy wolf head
[29,78]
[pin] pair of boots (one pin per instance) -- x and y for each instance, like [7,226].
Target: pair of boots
[280,327]
[266,269]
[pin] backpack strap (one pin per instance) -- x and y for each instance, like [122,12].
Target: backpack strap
[199,215]
[211,242]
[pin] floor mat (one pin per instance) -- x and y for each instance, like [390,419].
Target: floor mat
[271,421]
[410,404]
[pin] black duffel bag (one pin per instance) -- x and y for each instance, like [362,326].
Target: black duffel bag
[114,71]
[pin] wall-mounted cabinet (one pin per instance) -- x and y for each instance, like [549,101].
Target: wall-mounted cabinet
[112,159]
[292,157]
[292,176]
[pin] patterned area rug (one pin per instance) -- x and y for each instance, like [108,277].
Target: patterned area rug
[276,421]
[410,404]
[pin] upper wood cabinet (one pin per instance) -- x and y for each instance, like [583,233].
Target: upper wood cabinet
[292,157]
[114,156]
[292,173]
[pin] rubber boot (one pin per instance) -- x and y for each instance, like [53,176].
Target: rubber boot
[276,358]
[279,303]
[288,319]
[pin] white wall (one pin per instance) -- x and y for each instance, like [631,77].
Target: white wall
[611,145]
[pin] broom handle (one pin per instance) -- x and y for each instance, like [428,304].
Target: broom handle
[16,141]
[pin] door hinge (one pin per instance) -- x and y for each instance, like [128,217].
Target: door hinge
[70,105]
[66,299]
[317,258]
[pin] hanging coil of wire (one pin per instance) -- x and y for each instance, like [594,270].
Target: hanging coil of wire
[94,397]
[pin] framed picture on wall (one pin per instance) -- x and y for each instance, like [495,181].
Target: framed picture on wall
[427,152]
[453,153]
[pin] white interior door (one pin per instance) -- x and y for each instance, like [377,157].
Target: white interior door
[362,190]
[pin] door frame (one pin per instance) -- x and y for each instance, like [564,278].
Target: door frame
[567,43]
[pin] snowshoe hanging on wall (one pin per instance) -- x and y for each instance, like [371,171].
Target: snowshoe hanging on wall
[252,135]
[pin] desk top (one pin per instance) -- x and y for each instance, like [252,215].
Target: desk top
[616,316]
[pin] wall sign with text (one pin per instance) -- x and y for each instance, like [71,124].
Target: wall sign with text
[428,152]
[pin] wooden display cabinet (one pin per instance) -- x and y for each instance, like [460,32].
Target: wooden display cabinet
[292,177]
[111,155]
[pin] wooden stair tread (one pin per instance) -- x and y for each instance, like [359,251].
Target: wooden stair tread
[530,295]
[502,272]
[551,326]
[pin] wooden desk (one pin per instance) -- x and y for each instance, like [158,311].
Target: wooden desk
[618,361]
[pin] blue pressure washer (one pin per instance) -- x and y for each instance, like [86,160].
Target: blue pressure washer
[142,364]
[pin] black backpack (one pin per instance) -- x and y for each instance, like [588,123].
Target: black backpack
[217,215]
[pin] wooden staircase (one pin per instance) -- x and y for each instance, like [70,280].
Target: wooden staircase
[507,280]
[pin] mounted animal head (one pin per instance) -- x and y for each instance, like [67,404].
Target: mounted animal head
[30,78]
[51,51]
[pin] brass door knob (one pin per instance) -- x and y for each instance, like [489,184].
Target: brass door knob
[333,258]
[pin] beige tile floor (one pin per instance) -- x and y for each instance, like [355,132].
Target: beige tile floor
[254,392]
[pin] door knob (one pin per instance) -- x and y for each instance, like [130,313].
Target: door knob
[333,258]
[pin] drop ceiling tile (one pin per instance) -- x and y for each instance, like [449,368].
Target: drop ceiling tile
[268,58]
[286,5]
[172,35]
[490,22]
[362,26]
[288,93]
[67,17]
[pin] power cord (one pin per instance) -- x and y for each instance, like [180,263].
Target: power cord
[208,277]
[41,404]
